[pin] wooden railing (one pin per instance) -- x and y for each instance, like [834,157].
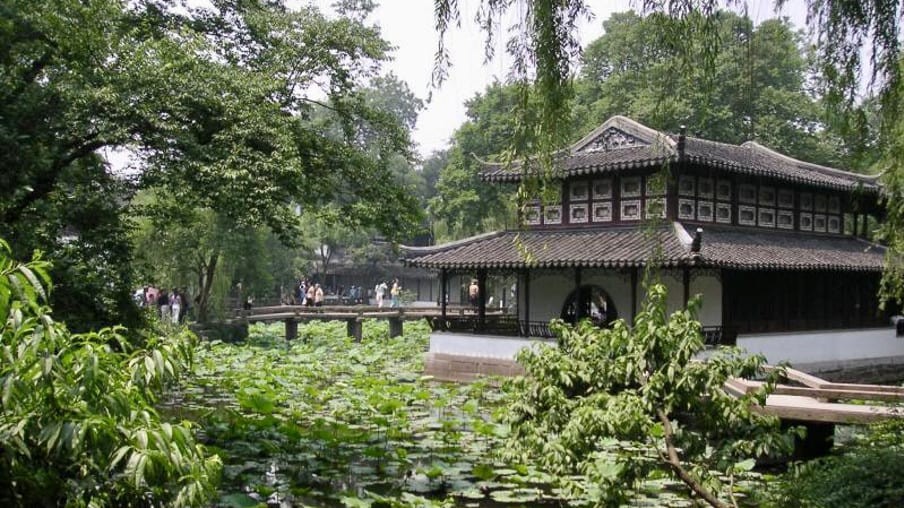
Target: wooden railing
[720,336]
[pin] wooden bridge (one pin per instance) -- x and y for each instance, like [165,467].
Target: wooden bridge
[353,315]
[819,405]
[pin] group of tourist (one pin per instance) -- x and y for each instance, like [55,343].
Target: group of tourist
[395,292]
[311,294]
[308,294]
[170,305]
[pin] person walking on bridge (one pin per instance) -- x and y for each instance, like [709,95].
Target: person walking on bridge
[318,296]
[380,292]
[394,294]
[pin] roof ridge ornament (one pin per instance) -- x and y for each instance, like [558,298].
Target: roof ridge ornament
[682,141]
[613,138]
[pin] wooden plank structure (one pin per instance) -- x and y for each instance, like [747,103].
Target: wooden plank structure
[816,405]
[353,315]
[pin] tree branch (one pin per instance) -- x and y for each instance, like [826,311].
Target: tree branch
[45,186]
[674,462]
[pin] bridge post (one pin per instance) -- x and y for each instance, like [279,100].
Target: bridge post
[818,441]
[355,329]
[291,329]
[395,326]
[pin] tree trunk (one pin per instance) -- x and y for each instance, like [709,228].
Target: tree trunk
[205,284]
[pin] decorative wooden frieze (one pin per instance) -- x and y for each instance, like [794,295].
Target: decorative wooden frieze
[552,214]
[630,209]
[630,187]
[747,215]
[613,139]
[785,198]
[705,211]
[602,211]
[766,217]
[723,190]
[784,219]
[686,185]
[806,222]
[819,223]
[578,190]
[767,196]
[819,204]
[834,204]
[747,193]
[602,188]
[579,213]
[686,209]
[723,213]
[806,201]
[532,215]
[705,188]
[834,223]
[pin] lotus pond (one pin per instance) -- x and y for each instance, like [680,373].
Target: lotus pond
[324,421]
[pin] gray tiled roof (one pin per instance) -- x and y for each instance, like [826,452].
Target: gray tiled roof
[615,247]
[722,247]
[654,148]
[756,249]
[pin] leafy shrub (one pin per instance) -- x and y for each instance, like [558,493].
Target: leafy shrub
[865,474]
[620,404]
[78,426]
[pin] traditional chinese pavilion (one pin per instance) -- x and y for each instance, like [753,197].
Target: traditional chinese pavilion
[777,248]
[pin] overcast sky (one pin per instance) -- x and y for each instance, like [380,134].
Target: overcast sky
[409,25]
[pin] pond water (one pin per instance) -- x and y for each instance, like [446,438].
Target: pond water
[324,421]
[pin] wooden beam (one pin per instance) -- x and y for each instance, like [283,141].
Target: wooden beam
[864,393]
[686,280]
[527,301]
[634,293]
[578,300]
[482,297]
[443,290]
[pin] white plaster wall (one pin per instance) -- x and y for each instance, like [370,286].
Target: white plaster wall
[547,294]
[674,282]
[710,287]
[825,349]
[477,345]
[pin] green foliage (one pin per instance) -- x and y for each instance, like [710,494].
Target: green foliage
[78,426]
[217,106]
[463,204]
[756,89]
[866,473]
[617,404]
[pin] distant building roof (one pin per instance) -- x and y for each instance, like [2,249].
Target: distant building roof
[668,246]
[621,143]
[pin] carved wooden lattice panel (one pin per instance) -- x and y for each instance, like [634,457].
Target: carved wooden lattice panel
[613,139]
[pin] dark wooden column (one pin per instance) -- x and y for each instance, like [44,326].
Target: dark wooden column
[686,279]
[578,301]
[854,230]
[354,329]
[395,325]
[633,294]
[443,289]
[291,329]
[526,301]
[863,230]
[482,298]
